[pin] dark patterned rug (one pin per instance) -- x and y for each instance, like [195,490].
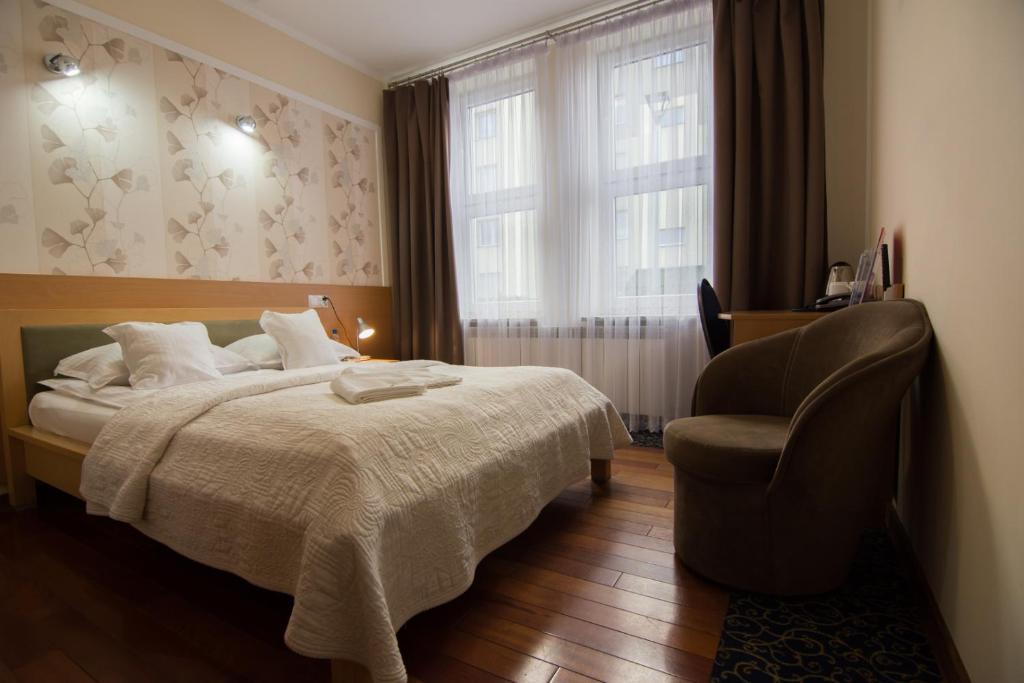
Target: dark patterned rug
[868,630]
[648,439]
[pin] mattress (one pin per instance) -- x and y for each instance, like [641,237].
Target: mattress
[68,416]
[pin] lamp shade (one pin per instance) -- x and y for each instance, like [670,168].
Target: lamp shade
[363,331]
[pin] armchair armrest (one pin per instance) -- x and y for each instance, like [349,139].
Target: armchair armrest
[747,379]
[849,421]
[842,438]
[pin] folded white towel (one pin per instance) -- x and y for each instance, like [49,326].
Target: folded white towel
[413,373]
[363,387]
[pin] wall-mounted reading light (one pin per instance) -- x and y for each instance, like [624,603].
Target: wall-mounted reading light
[61,64]
[246,124]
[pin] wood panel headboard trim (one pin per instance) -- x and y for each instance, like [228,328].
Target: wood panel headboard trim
[80,292]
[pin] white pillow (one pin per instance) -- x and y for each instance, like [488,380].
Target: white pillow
[104,365]
[159,355]
[300,337]
[262,351]
[229,362]
[98,366]
[110,396]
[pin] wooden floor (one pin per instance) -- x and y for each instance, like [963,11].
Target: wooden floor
[592,591]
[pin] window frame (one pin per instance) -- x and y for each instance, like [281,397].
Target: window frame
[502,202]
[609,184]
[651,178]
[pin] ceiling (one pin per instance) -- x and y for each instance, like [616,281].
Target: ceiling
[389,38]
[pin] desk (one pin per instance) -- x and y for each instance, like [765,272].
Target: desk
[749,325]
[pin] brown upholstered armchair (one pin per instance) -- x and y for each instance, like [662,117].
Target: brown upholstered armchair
[791,451]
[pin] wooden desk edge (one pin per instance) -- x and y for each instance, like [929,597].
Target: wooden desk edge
[771,315]
[750,325]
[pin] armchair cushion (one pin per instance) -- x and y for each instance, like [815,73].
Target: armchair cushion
[727,448]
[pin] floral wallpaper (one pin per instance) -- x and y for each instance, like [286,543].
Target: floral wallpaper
[135,167]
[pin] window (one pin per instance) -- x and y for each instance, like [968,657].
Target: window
[671,237]
[620,135]
[487,178]
[504,257]
[498,206]
[622,218]
[501,160]
[664,219]
[488,232]
[580,187]
[666,110]
[486,124]
[672,116]
[666,59]
[667,157]
[487,286]
[621,112]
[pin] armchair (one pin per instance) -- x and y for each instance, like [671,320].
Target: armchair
[791,450]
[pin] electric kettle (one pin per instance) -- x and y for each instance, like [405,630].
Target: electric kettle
[840,275]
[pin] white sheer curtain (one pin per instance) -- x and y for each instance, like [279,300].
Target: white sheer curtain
[581,195]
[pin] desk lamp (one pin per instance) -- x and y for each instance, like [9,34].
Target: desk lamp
[363,331]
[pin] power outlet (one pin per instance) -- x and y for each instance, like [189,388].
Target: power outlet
[317,301]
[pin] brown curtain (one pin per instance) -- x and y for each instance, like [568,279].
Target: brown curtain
[769,209]
[424,297]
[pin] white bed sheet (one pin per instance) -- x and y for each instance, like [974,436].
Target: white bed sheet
[68,416]
[65,412]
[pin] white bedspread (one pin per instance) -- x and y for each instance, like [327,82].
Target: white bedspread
[366,514]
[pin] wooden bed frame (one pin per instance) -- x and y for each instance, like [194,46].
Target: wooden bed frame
[37,455]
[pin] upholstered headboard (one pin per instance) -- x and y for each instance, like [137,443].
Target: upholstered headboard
[43,346]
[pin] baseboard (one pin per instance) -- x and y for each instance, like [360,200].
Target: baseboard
[950,664]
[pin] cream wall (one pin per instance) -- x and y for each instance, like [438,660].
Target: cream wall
[236,38]
[846,97]
[947,173]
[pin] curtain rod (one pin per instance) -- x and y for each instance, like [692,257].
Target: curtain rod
[539,37]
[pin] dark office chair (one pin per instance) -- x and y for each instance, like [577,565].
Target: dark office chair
[716,330]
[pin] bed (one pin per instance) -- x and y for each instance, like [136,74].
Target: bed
[366,514]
